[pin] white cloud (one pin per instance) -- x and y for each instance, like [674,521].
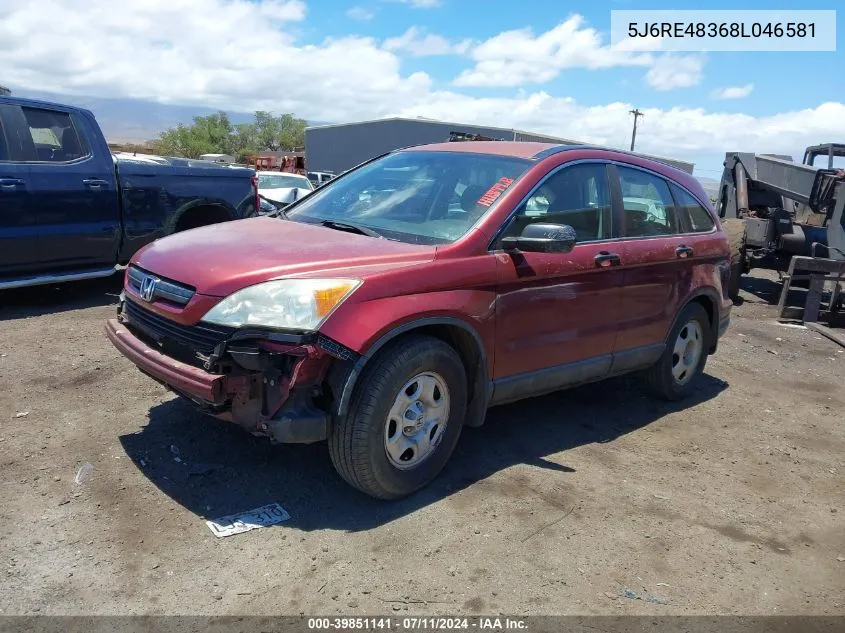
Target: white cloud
[226,54]
[236,54]
[359,13]
[283,10]
[421,44]
[519,57]
[673,132]
[732,92]
[675,71]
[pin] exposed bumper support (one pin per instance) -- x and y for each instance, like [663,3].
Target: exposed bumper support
[189,380]
[280,408]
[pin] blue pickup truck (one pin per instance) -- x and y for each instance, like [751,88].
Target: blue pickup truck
[70,209]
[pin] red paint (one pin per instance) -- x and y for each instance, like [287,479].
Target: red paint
[180,376]
[530,310]
[222,258]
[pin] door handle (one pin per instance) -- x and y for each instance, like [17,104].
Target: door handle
[682,252]
[94,183]
[9,184]
[605,259]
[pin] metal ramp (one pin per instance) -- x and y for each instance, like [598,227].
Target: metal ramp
[817,271]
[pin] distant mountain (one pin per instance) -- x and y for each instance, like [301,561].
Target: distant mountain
[132,120]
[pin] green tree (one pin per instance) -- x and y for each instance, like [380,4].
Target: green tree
[292,135]
[215,134]
[212,134]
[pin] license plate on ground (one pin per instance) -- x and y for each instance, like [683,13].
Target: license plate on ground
[231,524]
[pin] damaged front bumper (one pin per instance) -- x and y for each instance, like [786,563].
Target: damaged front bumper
[267,387]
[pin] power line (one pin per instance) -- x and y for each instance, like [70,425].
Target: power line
[637,114]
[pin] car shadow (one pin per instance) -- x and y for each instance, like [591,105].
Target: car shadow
[765,290]
[213,468]
[22,303]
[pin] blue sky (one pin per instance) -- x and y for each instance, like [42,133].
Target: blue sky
[333,60]
[774,75]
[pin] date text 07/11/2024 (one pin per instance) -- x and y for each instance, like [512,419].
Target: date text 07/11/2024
[418,623]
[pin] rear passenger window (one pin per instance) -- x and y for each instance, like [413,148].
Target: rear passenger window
[648,205]
[578,196]
[697,217]
[54,136]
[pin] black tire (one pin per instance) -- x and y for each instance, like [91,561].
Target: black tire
[659,377]
[735,231]
[357,441]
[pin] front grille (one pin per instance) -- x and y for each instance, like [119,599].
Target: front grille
[170,291]
[202,338]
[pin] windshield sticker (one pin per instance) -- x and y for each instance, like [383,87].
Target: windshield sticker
[495,191]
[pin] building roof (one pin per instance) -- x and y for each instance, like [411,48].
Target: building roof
[512,132]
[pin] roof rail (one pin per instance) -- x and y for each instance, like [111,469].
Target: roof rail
[465,136]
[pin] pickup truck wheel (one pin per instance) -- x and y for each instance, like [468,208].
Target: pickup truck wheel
[404,420]
[735,231]
[673,376]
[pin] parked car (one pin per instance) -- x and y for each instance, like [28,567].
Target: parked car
[278,189]
[320,178]
[70,210]
[396,304]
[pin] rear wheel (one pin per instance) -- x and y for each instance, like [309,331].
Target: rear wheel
[735,231]
[674,375]
[404,421]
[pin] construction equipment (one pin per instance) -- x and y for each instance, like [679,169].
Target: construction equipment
[787,217]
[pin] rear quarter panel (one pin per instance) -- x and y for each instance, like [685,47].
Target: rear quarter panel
[154,196]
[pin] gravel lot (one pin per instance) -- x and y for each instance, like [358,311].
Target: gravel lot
[594,501]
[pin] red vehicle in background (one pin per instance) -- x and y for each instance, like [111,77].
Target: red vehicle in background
[398,302]
[294,164]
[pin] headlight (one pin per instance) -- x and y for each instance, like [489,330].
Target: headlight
[299,304]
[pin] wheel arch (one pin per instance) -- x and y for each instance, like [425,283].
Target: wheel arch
[708,299]
[452,330]
[215,211]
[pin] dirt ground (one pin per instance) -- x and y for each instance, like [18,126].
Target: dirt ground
[594,501]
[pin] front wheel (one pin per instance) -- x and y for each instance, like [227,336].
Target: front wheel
[404,421]
[674,375]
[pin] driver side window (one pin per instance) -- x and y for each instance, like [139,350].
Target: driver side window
[577,196]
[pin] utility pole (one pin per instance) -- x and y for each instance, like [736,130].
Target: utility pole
[637,114]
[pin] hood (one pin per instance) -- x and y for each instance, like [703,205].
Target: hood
[222,258]
[285,194]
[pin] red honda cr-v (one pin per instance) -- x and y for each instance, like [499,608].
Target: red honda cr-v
[397,303]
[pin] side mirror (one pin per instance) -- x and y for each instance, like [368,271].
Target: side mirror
[542,238]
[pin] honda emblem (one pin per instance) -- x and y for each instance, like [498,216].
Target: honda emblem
[148,288]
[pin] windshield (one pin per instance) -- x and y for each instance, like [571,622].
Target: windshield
[282,181]
[420,197]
